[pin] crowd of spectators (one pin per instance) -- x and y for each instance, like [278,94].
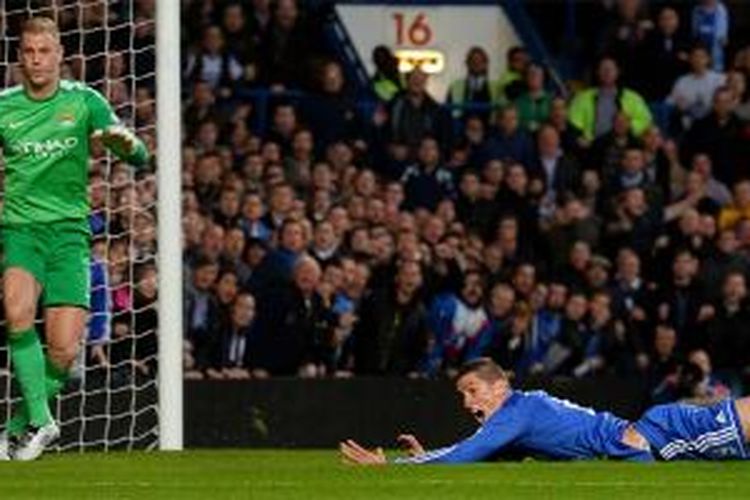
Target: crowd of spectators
[575,232]
[561,233]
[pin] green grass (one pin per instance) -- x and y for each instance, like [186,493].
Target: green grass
[285,475]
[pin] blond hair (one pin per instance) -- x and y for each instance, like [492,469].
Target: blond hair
[40,25]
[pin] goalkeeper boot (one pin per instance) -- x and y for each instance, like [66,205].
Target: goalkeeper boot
[35,441]
[8,445]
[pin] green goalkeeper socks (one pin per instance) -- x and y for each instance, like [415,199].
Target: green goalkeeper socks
[54,380]
[28,365]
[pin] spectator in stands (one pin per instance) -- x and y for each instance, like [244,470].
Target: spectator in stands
[737,83]
[570,137]
[276,269]
[213,64]
[631,296]
[728,334]
[693,92]
[665,56]
[285,48]
[739,209]
[710,24]
[476,89]
[98,331]
[706,388]
[295,325]
[607,151]
[300,160]
[227,214]
[200,107]
[252,220]
[548,315]
[284,125]
[573,222]
[635,223]
[598,274]
[330,111]
[720,135]
[559,173]
[475,211]
[459,324]
[683,304]
[509,141]
[664,366]
[601,329]
[146,319]
[428,181]
[387,249]
[624,37]
[631,173]
[201,308]
[511,81]
[723,260]
[281,203]
[233,346]
[571,345]
[593,110]
[659,163]
[240,43]
[259,19]
[414,115]
[508,343]
[535,100]
[715,190]
[207,179]
[391,336]
[502,298]
[386,81]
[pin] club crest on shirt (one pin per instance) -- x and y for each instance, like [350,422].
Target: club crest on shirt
[66,119]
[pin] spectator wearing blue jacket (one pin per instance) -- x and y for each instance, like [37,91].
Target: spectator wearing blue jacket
[460,324]
[101,308]
[509,141]
[548,304]
[710,24]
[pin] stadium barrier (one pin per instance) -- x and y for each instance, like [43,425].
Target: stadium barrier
[296,413]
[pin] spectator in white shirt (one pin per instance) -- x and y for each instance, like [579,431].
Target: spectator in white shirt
[693,93]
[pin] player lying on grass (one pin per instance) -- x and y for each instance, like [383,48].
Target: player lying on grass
[45,126]
[539,424]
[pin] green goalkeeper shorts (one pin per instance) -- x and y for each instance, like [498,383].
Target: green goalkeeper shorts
[57,254]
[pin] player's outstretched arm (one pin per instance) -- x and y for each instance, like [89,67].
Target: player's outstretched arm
[353,453]
[124,144]
[107,127]
[411,444]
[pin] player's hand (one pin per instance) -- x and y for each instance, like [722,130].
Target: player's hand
[353,453]
[410,444]
[117,138]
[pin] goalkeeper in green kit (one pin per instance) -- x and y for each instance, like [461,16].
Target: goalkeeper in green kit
[45,127]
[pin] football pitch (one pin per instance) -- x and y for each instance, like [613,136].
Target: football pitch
[319,474]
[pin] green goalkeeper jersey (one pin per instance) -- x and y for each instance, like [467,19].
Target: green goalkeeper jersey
[46,148]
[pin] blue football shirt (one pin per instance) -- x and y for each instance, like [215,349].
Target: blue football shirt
[538,423]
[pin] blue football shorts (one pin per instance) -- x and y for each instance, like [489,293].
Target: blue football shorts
[688,432]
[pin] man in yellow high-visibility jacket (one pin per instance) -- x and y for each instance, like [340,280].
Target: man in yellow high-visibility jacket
[593,110]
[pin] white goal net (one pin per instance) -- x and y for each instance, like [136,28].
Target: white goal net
[111,400]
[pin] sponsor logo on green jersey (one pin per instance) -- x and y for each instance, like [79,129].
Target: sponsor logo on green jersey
[43,149]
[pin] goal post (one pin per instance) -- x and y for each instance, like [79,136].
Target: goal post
[169,180]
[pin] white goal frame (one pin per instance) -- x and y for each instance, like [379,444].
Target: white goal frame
[169,229]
